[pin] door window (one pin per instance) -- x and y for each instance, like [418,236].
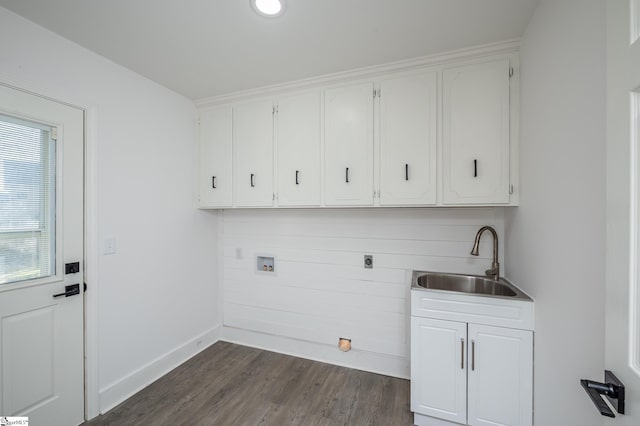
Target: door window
[27,200]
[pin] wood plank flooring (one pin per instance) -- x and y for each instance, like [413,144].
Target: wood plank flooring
[229,384]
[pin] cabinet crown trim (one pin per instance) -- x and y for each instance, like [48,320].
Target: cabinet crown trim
[501,47]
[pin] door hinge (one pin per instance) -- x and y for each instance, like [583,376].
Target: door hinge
[511,72]
[273,111]
[274,197]
[510,189]
[375,93]
[54,133]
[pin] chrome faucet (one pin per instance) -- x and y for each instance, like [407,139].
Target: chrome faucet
[494,272]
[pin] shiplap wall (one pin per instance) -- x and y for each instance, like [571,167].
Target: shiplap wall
[320,290]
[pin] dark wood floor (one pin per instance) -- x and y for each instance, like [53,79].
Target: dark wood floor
[229,384]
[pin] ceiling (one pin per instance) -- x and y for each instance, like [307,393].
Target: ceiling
[203,48]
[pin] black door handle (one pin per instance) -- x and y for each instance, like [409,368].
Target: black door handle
[346,175]
[612,388]
[252,185]
[406,172]
[297,173]
[70,290]
[213,182]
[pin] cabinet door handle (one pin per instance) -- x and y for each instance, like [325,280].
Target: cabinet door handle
[473,355]
[252,185]
[475,168]
[406,172]
[213,182]
[297,173]
[346,176]
[462,354]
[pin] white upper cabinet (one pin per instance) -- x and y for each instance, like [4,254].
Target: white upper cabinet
[253,154]
[348,146]
[475,130]
[298,150]
[215,158]
[408,131]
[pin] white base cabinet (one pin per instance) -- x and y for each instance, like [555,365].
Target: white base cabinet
[466,368]
[471,374]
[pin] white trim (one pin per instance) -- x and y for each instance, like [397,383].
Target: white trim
[91,261]
[118,391]
[357,359]
[507,46]
[634,285]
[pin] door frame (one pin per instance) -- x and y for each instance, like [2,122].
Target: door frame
[91,242]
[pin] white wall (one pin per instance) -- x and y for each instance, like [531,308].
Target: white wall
[321,291]
[157,293]
[555,239]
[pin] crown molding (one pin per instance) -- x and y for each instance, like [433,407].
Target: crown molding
[502,47]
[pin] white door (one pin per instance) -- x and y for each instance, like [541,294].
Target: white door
[439,369]
[41,230]
[298,147]
[500,382]
[476,133]
[408,140]
[348,146]
[215,158]
[623,204]
[253,154]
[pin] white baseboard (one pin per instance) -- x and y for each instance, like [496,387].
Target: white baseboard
[359,360]
[118,391]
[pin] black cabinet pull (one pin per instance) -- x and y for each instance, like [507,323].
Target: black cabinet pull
[406,172]
[297,173]
[213,182]
[346,177]
[475,168]
[252,185]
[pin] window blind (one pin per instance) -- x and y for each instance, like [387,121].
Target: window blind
[27,200]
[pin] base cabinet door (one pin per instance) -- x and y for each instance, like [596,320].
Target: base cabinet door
[215,158]
[500,376]
[298,147]
[438,369]
[348,146]
[407,123]
[253,154]
[475,133]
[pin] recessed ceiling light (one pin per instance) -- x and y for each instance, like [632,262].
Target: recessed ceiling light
[268,8]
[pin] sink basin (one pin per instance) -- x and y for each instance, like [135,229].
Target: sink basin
[470,284]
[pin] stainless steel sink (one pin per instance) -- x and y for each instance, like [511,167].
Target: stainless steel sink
[470,284]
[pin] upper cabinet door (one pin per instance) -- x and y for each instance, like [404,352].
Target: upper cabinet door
[476,133]
[298,147]
[408,140]
[348,146]
[253,154]
[215,158]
